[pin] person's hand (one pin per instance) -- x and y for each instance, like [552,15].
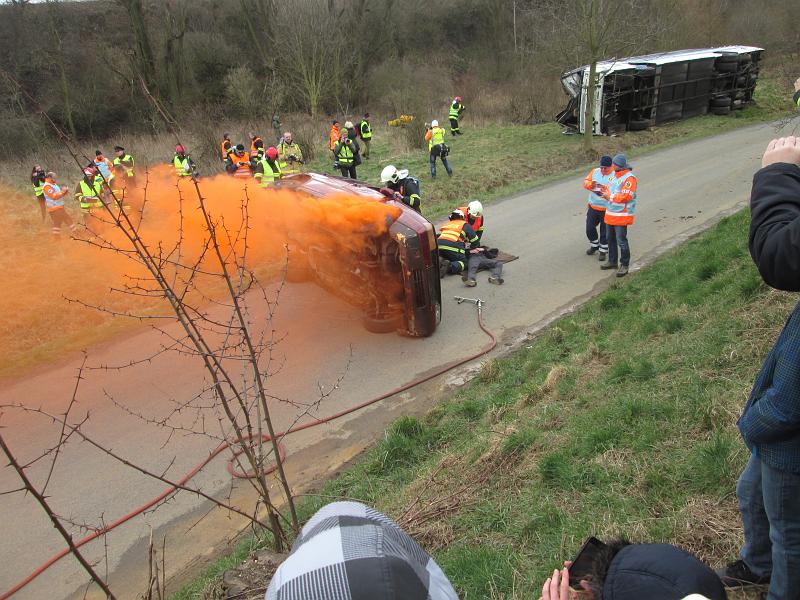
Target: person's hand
[782,150]
[797,85]
[556,587]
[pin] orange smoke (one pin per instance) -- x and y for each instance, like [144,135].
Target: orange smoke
[250,221]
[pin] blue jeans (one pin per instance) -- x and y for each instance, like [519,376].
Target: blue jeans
[769,501]
[618,234]
[594,218]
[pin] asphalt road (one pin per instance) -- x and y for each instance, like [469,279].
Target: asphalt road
[681,189]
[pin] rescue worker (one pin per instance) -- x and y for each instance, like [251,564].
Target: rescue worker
[256,146]
[351,131]
[104,167]
[90,191]
[596,181]
[54,200]
[290,157]
[333,135]
[473,214]
[455,240]
[406,188]
[345,153]
[268,169]
[123,162]
[226,147]
[184,165]
[620,198]
[365,130]
[37,181]
[456,108]
[239,164]
[437,148]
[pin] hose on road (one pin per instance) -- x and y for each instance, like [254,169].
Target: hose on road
[240,474]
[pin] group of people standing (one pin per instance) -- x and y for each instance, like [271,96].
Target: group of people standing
[344,145]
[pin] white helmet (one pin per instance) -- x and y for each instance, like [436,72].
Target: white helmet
[475,209]
[389,173]
[434,123]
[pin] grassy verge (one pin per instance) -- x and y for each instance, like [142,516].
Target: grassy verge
[616,420]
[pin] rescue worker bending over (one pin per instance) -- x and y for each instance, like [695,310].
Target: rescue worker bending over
[456,240]
[226,147]
[238,163]
[290,157]
[473,214]
[456,108]
[37,181]
[437,148]
[184,165]
[256,145]
[406,188]
[90,190]
[124,163]
[268,169]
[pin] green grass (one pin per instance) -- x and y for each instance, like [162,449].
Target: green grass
[496,161]
[616,420]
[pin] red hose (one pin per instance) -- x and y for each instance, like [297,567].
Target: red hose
[231,469]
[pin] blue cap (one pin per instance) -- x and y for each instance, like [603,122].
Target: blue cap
[605,161]
[621,162]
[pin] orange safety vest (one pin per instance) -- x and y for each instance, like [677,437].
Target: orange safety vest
[53,195]
[242,164]
[334,137]
[452,234]
[225,148]
[477,225]
[621,204]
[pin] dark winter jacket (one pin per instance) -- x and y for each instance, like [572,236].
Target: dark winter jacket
[770,422]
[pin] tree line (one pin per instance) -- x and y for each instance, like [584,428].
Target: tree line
[97,66]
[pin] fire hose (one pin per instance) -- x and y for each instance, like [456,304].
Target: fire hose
[240,474]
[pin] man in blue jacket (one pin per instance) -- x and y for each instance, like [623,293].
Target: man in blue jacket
[769,488]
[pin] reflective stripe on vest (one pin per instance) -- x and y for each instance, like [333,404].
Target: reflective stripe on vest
[126,162]
[182,167]
[454,110]
[88,196]
[366,130]
[225,148]
[452,235]
[53,196]
[595,201]
[242,164]
[345,154]
[269,175]
[620,209]
[37,189]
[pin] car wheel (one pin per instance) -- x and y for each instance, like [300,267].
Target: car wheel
[638,124]
[382,323]
[737,105]
[720,101]
[721,110]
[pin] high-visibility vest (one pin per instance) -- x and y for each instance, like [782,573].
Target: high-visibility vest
[455,109]
[437,137]
[284,150]
[345,154]
[53,196]
[621,213]
[477,224]
[242,164]
[256,145]
[37,187]
[269,174]
[104,166]
[89,195]
[366,130]
[183,167]
[452,236]
[597,178]
[125,162]
[225,148]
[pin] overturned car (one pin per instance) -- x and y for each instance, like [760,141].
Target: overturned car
[638,92]
[393,276]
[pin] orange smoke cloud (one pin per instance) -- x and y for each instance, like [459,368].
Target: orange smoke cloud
[39,324]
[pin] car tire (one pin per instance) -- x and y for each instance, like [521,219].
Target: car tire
[721,110]
[720,101]
[381,323]
[726,66]
[737,105]
[638,124]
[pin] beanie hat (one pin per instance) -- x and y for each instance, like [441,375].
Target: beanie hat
[605,161]
[621,162]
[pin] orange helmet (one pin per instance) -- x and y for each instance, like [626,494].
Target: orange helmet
[272,153]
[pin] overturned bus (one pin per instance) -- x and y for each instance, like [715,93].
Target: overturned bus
[637,92]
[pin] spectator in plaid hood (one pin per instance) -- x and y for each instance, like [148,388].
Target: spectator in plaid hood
[348,551]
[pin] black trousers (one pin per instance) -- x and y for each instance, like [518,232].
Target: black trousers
[348,171]
[454,125]
[594,218]
[458,260]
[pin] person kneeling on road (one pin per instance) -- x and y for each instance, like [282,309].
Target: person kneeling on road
[456,238]
[473,214]
[483,259]
[406,188]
